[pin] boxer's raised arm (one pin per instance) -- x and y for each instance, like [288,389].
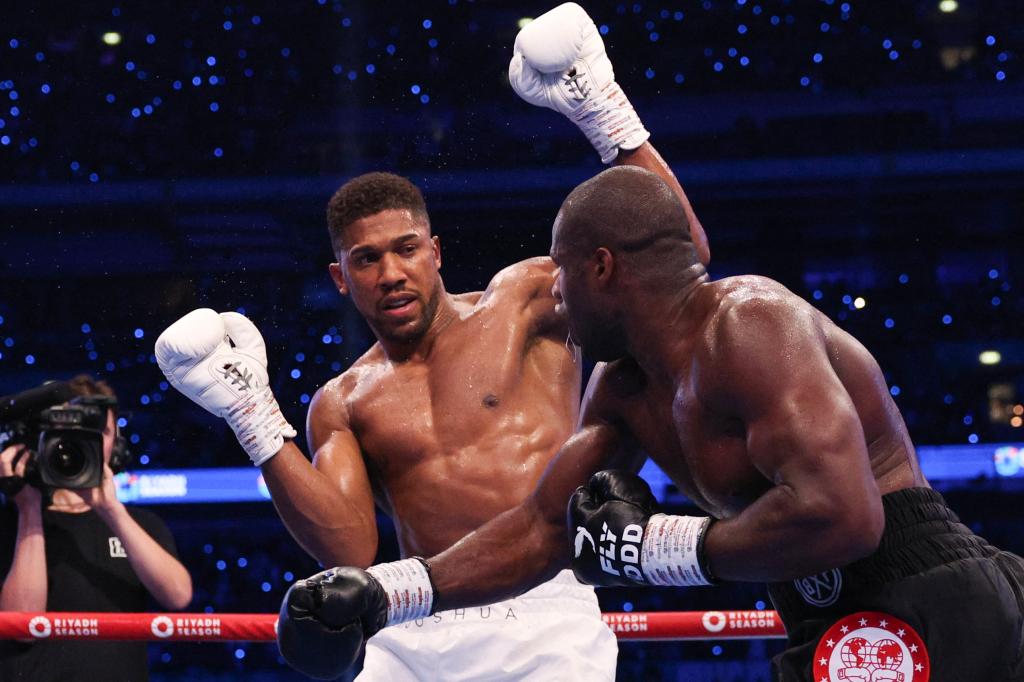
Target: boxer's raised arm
[772,373]
[327,507]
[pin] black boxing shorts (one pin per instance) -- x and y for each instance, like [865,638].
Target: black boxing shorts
[934,602]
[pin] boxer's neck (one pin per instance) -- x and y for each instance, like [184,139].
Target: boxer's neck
[419,349]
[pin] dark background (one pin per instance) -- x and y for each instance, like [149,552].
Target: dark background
[859,149]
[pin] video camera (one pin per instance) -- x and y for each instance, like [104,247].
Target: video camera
[65,432]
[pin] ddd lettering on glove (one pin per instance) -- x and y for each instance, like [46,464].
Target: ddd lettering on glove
[628,559]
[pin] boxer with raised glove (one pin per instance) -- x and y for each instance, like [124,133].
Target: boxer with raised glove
[619,538]
[559,62]
[326,619]
[219,361]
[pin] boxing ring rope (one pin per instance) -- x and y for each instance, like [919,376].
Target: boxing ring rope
[260,627]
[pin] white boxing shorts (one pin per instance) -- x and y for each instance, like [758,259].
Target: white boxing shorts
[553,632]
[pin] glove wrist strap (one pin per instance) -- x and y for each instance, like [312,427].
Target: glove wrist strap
[673,548]
[408,588]
[610,122]
[259,425]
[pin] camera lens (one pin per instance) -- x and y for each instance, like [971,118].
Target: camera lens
[68,459]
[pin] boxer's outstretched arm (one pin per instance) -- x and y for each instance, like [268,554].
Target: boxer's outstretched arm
[647,157]
[772,373]
[529,543]
[327,507]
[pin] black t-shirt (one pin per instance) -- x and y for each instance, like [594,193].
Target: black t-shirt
[87,570]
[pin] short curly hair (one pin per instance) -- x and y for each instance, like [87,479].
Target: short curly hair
[367,194]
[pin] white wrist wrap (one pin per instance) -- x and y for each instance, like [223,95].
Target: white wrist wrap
[259,425]
[407,586]
[609,121]
[670,550]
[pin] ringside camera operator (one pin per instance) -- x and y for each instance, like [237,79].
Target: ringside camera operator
[67,543]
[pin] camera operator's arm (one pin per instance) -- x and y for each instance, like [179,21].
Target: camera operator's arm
[24,587]
[162,574]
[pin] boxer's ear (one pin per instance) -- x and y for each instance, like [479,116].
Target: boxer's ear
[338,277]
[604,265]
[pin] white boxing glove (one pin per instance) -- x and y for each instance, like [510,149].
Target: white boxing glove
[219,361]
[559,62]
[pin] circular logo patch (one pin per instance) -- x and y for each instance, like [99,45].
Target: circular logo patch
[714,621]
[872,647]
[40,627]
[821,589]
[162,627]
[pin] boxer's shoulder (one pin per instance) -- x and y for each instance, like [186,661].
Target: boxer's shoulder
[523,280]
[737,302]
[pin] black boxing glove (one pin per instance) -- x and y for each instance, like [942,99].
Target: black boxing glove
[618,538]
[326,619]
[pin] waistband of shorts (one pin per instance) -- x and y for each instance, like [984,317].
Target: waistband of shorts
[921,532]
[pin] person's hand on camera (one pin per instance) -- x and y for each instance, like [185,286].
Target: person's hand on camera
[103,498]
[13,461]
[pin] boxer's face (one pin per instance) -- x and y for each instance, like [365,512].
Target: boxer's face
[577,291]
[389,266]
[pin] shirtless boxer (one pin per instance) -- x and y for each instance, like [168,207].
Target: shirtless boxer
[451,417]
[775,422]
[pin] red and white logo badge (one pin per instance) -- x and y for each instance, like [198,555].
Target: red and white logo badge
[162,627]
[871,647]
[40,627]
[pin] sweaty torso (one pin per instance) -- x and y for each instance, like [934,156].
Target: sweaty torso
[704,450]
[453,440]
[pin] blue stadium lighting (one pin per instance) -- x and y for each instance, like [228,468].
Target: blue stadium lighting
[144,400]
[887,44]
[947,319]
[111,97]
[218,152]
[129,66]
[427,23]
[286,52]
[207,548]
[304,398]
[678,16]
[973,438]
[432,43]
[197,81]
[296,373]
[337,340]
[94,177]
[300,357]
[825,26]
[679,78]
[649,26]
[757,10]
[1000,75]
[845,7]
[9,342]
[164,386]
[352,75]
[13,95]
[3,123]
[996,301]
[817,295]
[847,299]
[817,57]
[148,109]
[239,654]
[256,20]
[288,576]
[265,587]
[92,355]
[370,68]
[775,20]
[115,12]
[1,319]
[759,605]
[716,650]
[424,99]
[326,338]
[213,80]
[165,657]
[211,61]
[904,278]
[134,439]
[894,391]
[214,106]
[968,420]
[242,562]
[335,366]
[157,101]
[390,49]
[15,112]
[336,69]
[916,44]
[221,565]
[993,274]
[346,22]
[948,399]
[136,112]
[150,38]
[13,43]
[741,29]
[1003,56]
[227,25]
[894,55]
[242,53]
[733,52]
[990,40]
[110,366]
[649,73]
[45,88]
[139,333]
[30,359]
[175,85]
[627,606]
[889,323]
[85,327]
[719,66]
